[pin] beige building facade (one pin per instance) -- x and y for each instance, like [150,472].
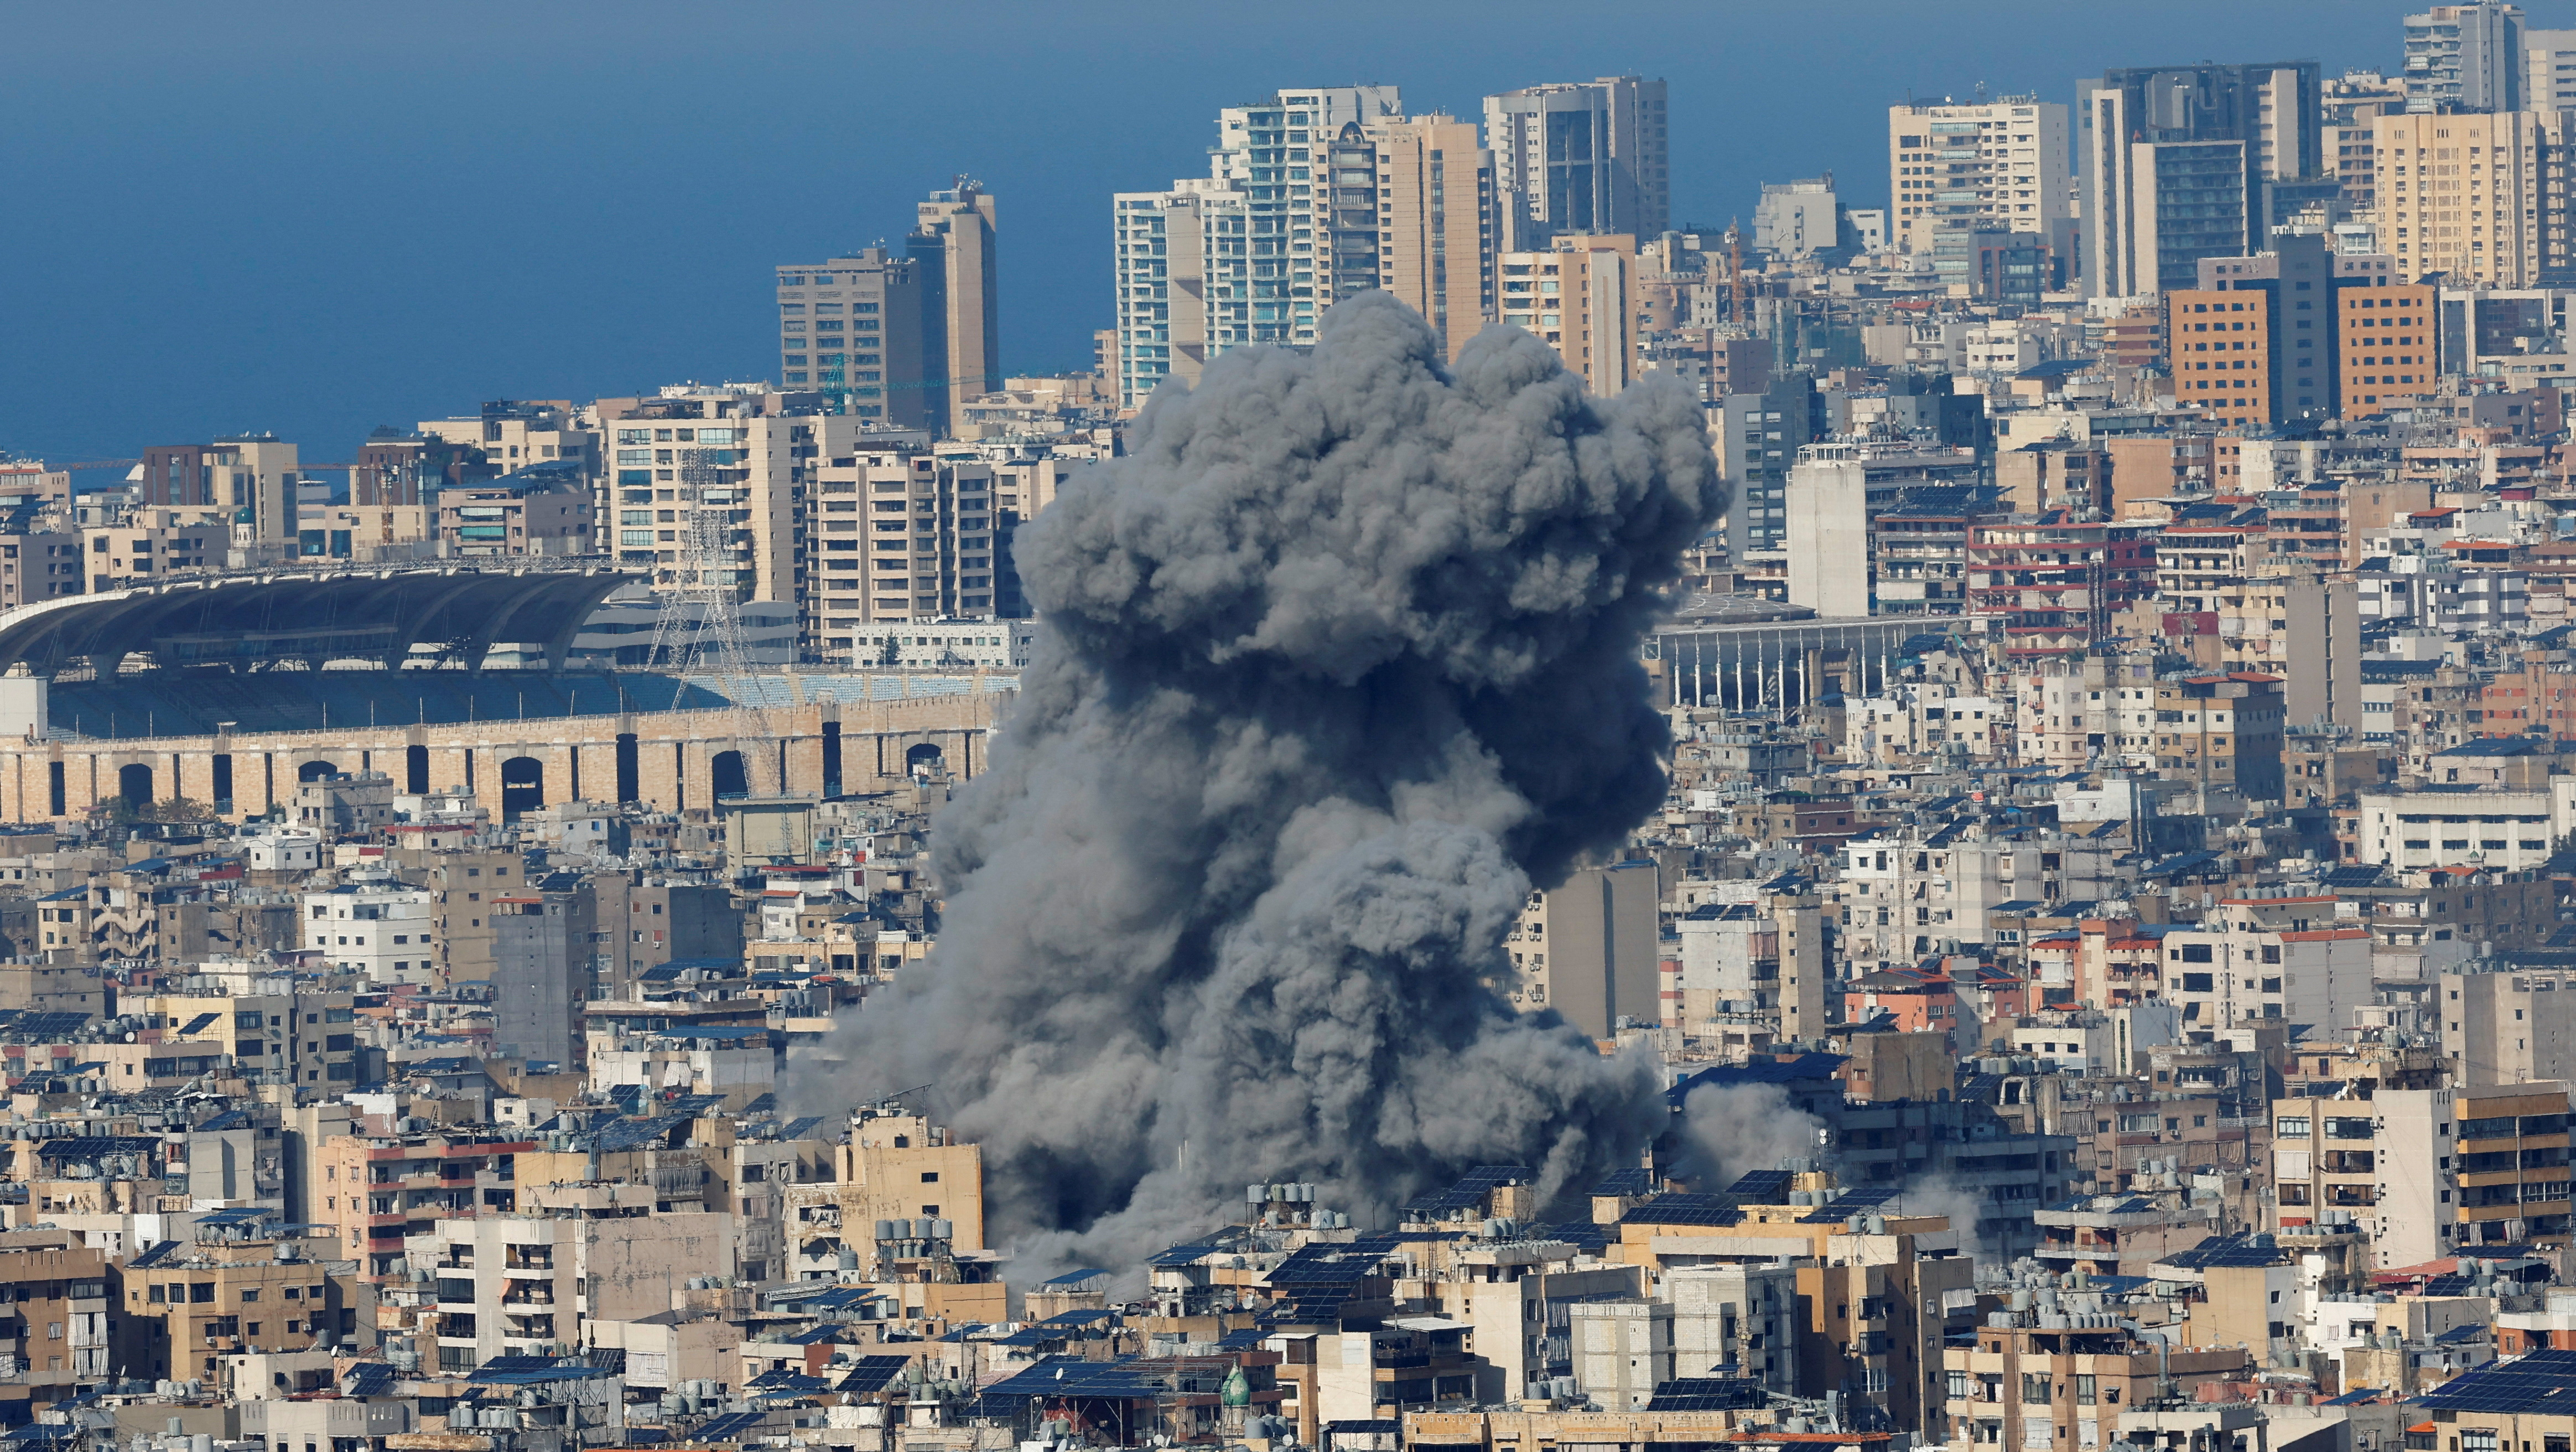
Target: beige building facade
[2469,194]
[1581,300]
[2000,163]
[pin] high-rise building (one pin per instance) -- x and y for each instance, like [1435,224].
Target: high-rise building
[1581,299]
[1272,151]
[1232,258]
[2349,136]
[1586,948]
[1828,538]
[1410,210]
[2383,342]
[718,479]
[544,969]
[2549,70]
[2465,58]
[897,533]
[1184,283]
[2471,195]
[1999,163]
[2281,337]
[961,315]
[1759,434]
[2143,203]
[1589,156]
[851,329]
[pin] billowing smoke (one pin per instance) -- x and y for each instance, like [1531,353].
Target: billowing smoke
[1729,1131]
[1335,665]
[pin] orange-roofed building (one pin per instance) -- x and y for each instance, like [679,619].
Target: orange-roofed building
[2275,959]
[1916,999]
[2108,963]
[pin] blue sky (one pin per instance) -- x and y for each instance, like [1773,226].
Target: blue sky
[313,219]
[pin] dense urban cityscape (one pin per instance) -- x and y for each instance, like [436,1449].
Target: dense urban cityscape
[1944,815]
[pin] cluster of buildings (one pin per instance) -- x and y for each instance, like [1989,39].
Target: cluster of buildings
[2106,941]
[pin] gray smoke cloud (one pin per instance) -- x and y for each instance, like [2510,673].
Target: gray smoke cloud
[1336,664]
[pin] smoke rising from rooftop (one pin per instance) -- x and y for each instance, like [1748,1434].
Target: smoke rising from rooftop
[1334,666]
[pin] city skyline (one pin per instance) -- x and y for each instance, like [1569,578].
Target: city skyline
[514,202]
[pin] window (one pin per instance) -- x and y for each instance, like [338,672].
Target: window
[2035,1388]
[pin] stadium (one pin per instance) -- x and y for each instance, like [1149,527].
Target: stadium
[231,690]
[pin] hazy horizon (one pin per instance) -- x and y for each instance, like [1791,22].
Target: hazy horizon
[312,220]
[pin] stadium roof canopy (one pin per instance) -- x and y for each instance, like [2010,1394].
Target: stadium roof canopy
[374,612]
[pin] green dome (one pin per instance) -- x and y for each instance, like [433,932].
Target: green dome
[1238,1390]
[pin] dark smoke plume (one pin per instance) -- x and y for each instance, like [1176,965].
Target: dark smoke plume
[1335,665]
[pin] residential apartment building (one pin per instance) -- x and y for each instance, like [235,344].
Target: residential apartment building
[152,543]
[2192,200]
[851,329]
[371,1191]
[506,435]
[2074,709]
[2352,101]
[902,535]
[2512,828]
[2386,354]
[2466,58]
[2257,960]
[655,921]
[1581,300]
[58,1341]
[1409,209]
[1311,197]
[952,251]
[40,564]
[2016,1383]
[2472,196]
[1741,961]
[1999,164]
[378,931]
[2175,161]
[277,1035]
[243,1281]
[2429,1172]
[2055,580]
[520,1284]
[722,480]
[253,478]
[2505,1024]
[1274,153]
[1587,949]
[397,469]
[2549,70]
[548,959]
[1588,156]
[1759,435]
[539,517]
[1185,288]
[2222,732]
